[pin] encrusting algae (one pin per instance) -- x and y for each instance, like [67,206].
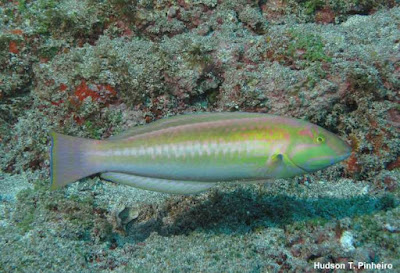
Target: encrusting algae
[190,153]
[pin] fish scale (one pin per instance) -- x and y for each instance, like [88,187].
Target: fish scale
[189,153]
[186,152]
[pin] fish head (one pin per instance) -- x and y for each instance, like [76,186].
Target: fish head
[314,148]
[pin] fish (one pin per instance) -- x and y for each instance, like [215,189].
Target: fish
[191,153]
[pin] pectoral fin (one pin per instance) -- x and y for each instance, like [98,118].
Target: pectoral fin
[281,166]
[277,159]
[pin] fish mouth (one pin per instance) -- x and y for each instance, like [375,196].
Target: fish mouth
[343,157]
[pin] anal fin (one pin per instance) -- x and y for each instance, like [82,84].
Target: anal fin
[158,184]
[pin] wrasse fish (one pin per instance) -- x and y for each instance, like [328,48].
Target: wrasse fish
[191,153]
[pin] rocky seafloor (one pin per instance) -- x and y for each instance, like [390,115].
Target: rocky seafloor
[95,68]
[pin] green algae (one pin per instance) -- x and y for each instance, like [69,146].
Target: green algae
[312,6]
[311,44]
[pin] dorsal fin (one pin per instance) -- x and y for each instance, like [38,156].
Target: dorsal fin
[182,120]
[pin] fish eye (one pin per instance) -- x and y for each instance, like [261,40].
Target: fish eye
[320,139]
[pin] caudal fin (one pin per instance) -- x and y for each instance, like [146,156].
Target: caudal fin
[68,160]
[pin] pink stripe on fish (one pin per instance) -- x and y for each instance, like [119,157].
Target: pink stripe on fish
[306,132]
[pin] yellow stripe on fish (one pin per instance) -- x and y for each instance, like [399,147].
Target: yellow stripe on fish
[173,154]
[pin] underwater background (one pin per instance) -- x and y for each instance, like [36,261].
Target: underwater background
[96,68]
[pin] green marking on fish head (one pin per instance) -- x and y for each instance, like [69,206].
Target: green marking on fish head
[314,148]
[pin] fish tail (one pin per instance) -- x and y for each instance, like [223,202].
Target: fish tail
[68,161]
